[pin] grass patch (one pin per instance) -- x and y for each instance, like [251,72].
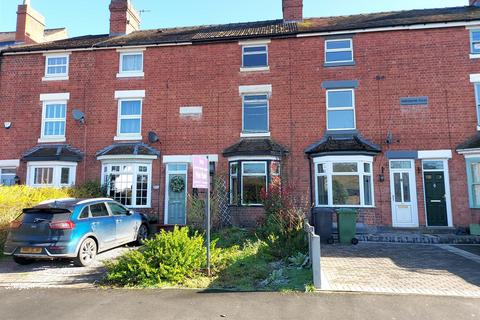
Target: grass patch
[240,262]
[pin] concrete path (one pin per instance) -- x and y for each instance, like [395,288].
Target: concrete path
[82,304]
[54,274]
[401,269]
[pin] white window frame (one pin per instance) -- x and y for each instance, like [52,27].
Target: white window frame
[252,175]
[120,117]
[245,133]
[135,171]
[230,186]
[57,173]
[328,167]
[350,49]
[7,174]
[130,74]
[473,55]
[342,109]
[56,76]
[53,138]
[255,68]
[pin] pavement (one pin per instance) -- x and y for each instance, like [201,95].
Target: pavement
[72,304]
[54,274]
[401,269]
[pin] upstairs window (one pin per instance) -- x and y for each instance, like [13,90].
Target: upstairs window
[340,109]
[475,42]
[131,64]
[54,119]
[129,118]
[338,51]
[477,98]
[56,67]
[255,56]
[255,113]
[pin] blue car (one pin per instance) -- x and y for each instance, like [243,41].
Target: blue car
[75,229]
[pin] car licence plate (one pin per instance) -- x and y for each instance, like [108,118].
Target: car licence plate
[30,250]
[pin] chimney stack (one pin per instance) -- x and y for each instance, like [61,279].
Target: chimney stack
[30,24]
[475,3]
[124,19]
[293,10]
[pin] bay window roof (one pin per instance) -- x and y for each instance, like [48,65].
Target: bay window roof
[255,147]
[53,152]
[472,143]
[343,144]
[134,149]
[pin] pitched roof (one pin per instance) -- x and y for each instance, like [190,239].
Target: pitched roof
[135,149]
[53,152]
[262,29]
[255,147]
[472,143]
[351,143]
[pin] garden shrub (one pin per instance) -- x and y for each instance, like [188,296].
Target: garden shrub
[283,228]
[169,257]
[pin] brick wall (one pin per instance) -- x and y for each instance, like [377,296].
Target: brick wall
[432,63]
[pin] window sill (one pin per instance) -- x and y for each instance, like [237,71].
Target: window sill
[253,69]
[254,135]
[127,138]
[474,55]
[49,140]
[131,75]
[339,64]
[52,78]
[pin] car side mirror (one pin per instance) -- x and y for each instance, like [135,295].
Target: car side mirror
[130,212]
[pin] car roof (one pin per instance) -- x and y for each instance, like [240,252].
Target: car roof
[68,203]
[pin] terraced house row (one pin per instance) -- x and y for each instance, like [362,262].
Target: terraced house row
[376,111]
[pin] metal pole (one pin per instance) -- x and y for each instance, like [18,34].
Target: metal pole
[207,208]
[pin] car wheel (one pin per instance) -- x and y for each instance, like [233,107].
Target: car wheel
[22,261]
[86,253]
[142,234]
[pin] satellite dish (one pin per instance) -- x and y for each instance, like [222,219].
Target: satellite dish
[78,115]
[153,137]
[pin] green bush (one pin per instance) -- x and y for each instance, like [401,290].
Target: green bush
[91,189]
[169,257]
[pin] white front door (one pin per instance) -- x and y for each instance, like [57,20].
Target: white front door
[404,194]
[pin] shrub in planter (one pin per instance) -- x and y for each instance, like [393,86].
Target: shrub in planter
[169,257]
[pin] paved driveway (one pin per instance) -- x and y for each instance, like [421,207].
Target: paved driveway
[401,268]
[54,274]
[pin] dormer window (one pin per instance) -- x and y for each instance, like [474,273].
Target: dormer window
[56,67]
[131,64]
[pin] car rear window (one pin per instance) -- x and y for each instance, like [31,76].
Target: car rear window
[31,216]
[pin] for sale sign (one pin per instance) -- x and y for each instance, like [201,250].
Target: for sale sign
[200,172]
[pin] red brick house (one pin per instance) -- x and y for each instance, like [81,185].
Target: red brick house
[377,112]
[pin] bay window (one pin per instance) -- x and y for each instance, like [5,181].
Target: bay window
[51,174]
[128,183]
[473,179]
[248,179]
[344,181]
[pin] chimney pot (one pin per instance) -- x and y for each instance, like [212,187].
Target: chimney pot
[293,10]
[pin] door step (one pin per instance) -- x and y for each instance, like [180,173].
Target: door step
[419,238]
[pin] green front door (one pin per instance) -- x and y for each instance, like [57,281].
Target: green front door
[435,199]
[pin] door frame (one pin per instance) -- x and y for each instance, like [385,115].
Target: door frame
[413,192]
[167,189]
[448,198]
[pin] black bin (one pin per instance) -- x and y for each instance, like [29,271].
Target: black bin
[322,221]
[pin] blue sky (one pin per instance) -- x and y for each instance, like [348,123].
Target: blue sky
[91,16]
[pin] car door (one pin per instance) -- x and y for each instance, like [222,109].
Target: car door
[103,225]
[125,226]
